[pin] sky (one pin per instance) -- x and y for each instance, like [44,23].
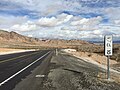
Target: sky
[62,19]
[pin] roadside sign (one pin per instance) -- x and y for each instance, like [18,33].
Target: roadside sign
[108,45]
[108,52]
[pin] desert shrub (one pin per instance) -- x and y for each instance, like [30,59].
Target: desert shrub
[91,48]
[99,49]
[89,55]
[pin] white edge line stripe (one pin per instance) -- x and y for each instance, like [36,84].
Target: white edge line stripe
[23,69]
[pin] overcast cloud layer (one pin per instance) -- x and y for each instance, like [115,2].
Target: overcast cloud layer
[64,19]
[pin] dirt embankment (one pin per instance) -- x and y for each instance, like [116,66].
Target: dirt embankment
[99,49]
[94,57]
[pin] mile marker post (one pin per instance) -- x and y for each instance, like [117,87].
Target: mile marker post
[108,67]
[56,52]
[108,52]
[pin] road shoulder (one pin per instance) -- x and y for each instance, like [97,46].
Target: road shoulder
[69,73]
[35,79]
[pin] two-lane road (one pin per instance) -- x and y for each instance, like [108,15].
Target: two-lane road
[14,67]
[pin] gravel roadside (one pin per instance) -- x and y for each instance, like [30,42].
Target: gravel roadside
[70,73]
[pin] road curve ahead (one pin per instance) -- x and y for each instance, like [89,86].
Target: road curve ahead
[15,67]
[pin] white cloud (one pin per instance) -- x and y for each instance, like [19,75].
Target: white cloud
[87,21]
[54,21]
[97,32]
[30,35]
[8,21]
[28,25]
[113,14]
[44,6]
[47,21]
[60,27]
[24,27]
[11,20]
[117,22]
[50,22]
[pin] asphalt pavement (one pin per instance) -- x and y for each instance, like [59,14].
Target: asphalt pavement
[15,67]
[46,70]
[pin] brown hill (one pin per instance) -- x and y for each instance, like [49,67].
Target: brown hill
[13,38]
[16,38]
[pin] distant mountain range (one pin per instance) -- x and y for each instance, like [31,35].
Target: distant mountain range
[13,38]
[103,42]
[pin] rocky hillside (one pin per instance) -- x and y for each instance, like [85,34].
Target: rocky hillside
[15,38]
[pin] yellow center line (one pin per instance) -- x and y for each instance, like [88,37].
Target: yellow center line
[17,57]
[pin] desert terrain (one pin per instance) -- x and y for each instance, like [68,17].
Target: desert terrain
[12,41]
[83,68]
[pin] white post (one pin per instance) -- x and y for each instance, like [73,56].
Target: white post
[108,52]
[108,67]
